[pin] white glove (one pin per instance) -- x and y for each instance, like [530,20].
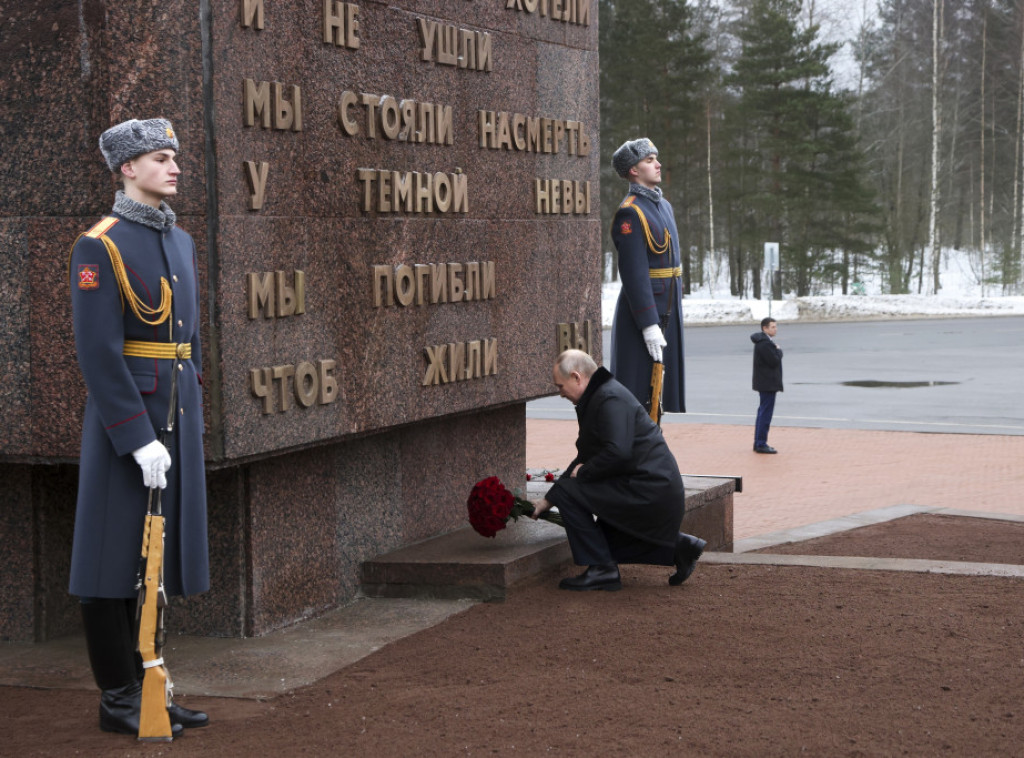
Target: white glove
[655,341]
[154,460]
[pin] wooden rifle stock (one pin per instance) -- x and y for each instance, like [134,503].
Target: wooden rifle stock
[654,405]
[154,720]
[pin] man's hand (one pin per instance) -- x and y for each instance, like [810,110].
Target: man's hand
[539,507]
[655,341]
[154,460]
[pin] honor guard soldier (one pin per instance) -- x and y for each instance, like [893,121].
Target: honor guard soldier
[135,298]
[648,323]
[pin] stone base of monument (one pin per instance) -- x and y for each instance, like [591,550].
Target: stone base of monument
[462,564]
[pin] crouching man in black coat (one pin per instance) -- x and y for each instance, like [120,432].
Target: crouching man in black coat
[622,497]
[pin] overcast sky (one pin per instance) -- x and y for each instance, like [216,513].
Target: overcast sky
[840,20]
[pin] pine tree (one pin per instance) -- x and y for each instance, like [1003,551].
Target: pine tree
[654,68]
[795,166]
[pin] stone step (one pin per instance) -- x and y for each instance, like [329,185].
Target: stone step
[462,564]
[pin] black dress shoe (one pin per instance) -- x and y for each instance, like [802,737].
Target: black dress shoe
[765,449]
[119,710]
[189,719]
[689,549]
[594,578]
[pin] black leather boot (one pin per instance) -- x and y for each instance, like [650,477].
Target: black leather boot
[110,641]
[187,718]
[108,638]
[688,551]
[119,708]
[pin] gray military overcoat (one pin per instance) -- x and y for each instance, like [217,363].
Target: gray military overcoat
[127,405]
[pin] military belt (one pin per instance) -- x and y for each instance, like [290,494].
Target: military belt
[172,350]
[666,273]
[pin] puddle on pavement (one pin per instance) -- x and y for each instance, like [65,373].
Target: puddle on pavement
[898,385]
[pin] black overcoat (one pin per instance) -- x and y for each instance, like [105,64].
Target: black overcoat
[651,290]
[626,475]
[767,364]
[127,404]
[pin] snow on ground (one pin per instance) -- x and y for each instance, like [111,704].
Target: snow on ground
[960,295]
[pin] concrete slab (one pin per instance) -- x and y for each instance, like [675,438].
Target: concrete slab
[868,564]
[255,668]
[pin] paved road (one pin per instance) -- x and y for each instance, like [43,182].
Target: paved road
[934,375]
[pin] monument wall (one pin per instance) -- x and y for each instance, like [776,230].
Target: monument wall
[396,206]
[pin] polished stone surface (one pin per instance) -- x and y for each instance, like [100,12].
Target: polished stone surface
[104,66]
[299,496]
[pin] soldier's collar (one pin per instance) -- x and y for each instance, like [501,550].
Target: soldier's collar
[161,218]
[653,195]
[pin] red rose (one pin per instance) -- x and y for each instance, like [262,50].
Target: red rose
[489,506]
[549,477]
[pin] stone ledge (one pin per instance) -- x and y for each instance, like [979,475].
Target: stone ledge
[709,510]
[462,564]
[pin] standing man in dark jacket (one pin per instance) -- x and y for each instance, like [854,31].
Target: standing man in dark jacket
[135,298]
[648,323]
[622,497]
[767,380]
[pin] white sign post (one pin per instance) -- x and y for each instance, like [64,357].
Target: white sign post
[771,263]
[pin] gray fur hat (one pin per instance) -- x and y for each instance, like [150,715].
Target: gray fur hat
[631,153]
[132,138]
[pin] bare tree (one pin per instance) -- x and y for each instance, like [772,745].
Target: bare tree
[1018,209]
[981,162]
[711,197]
[933,237]
[1016,152]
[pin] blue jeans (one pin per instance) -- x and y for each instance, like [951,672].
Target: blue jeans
[764,418]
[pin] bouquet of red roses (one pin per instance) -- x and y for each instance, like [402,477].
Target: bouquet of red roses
[491,505]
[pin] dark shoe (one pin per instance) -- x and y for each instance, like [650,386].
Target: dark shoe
[189,719]
[594,578]
[765,449]
[119,710]
[689,549]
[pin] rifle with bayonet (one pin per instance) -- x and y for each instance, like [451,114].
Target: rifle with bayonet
[154,719]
